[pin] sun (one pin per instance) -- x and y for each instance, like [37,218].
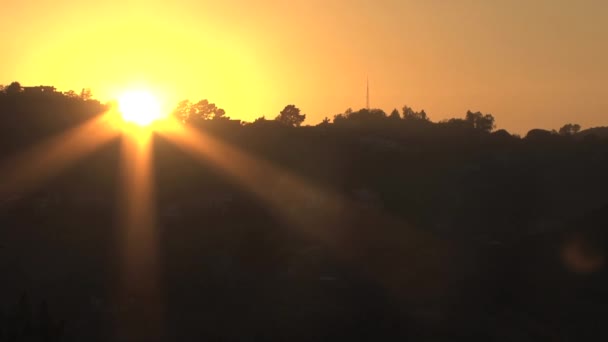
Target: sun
[139,107]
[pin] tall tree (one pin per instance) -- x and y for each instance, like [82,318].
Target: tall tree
[422,116]
[291,116]
[394,115]
[408,112]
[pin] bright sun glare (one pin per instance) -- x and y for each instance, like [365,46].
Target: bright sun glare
[139,107]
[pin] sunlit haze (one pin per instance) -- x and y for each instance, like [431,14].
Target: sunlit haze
[531,64]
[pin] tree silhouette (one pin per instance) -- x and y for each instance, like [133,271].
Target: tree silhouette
[290,116]
[538,134]
[422,115]
[411,115]
[188,112]
[71,94]
[339,118]
[260,119]
[479,121]
[342,117]
[394,115]
[13,88]
[86,94]
[366,116]
[203,110]
[325,122]
[569,129]
[456,123]
[183,111]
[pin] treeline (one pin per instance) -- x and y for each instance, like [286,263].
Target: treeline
[31,114]
[203,112]
[71,105]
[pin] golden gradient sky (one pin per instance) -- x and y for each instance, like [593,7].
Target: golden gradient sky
[535,63]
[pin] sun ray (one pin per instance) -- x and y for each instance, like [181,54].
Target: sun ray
[258,176]
[23,173]
[140,280]
[393,258]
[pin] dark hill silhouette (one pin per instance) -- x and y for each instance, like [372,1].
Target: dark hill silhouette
[599,132]
[367,227]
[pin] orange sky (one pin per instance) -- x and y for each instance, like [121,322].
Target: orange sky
[534,63]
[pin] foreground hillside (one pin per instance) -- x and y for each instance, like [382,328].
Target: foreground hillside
[360,230]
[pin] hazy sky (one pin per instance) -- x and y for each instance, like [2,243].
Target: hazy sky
[531,63]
